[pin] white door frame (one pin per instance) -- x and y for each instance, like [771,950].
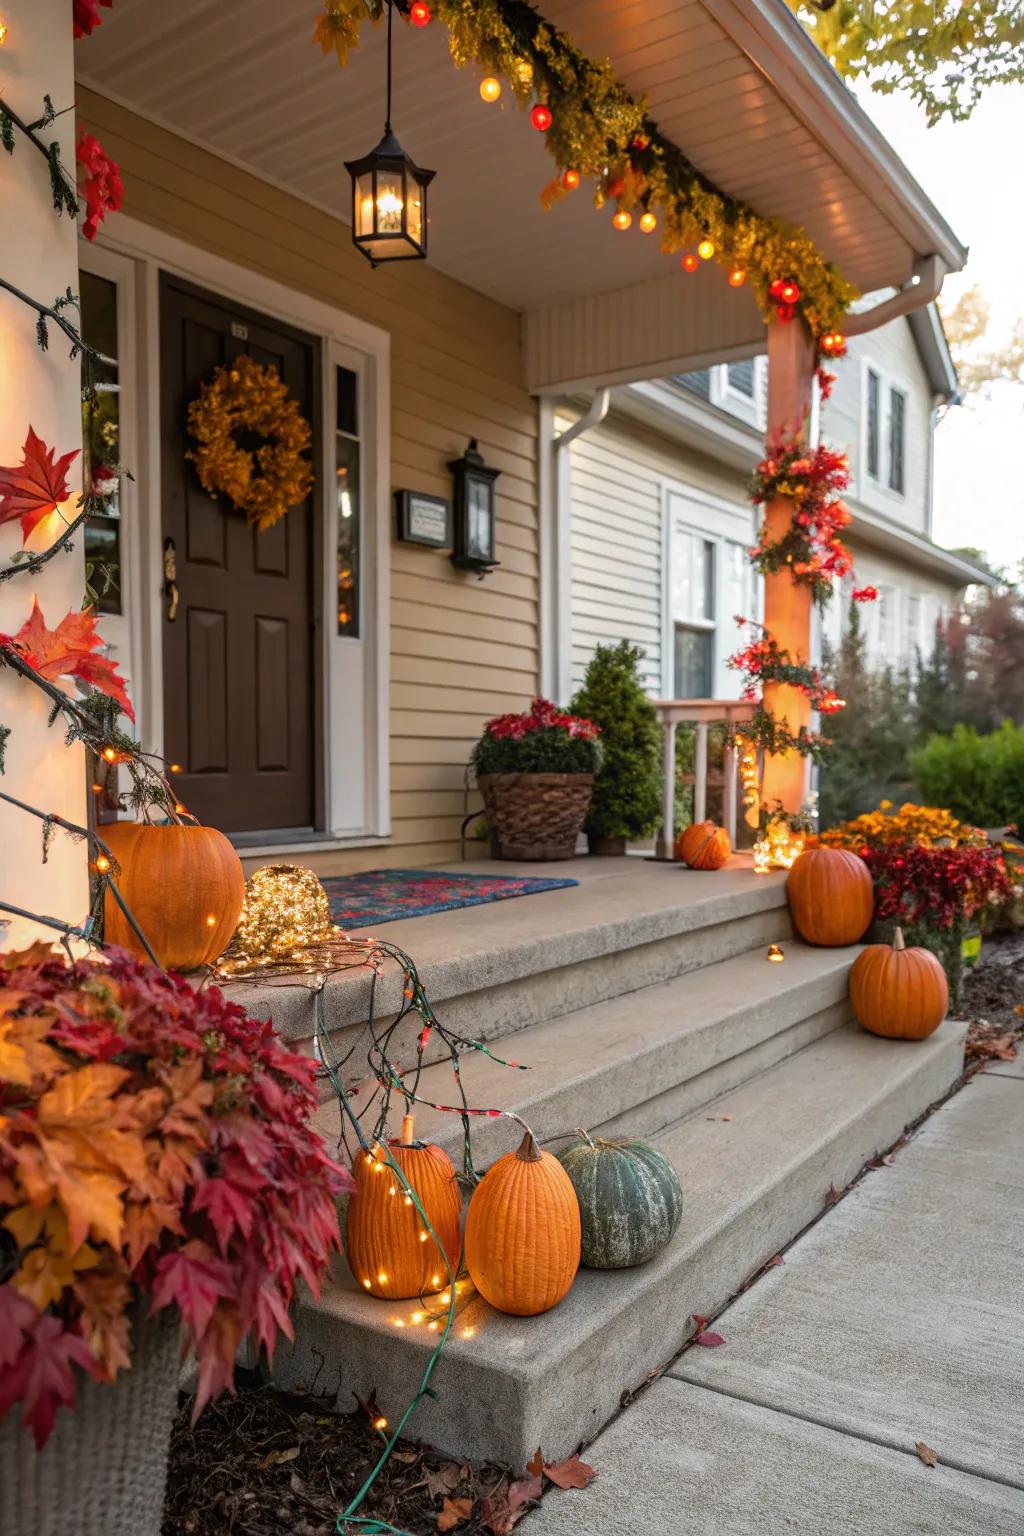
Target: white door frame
[356,671]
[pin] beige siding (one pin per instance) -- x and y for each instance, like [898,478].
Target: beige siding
[461,650]
[903,621]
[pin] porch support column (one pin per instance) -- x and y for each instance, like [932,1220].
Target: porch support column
[787,604]
[41,390]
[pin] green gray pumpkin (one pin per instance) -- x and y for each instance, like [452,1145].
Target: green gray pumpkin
[630,1200]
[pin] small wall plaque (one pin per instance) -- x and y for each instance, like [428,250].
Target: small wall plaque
[424,519]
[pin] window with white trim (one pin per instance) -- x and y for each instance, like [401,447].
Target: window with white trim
[693,614]
[711,583]
[872,424]
[884,432]
[897,440]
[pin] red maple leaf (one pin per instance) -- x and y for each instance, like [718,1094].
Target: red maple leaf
[194,1279]
[36,486]
[86,16]
[69,651]
[228,1207]
[570,1473]
[41,1377]
[17,1319]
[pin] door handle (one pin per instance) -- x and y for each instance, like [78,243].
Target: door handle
[171,579]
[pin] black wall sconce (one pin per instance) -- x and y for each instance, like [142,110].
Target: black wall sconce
[473,501]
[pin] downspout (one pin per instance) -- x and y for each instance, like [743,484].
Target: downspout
[557,670]
[923,288]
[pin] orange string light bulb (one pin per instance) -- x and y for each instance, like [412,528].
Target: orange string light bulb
[689,262]
[648,222]
[622,219]
[490,88]
[570,180]
[737,277]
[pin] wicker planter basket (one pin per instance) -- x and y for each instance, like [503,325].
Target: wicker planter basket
[536,815]
[104,1468]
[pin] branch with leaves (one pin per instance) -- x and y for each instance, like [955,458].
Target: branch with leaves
[65,196]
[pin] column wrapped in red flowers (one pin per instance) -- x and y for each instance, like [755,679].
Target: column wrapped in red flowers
[536,772]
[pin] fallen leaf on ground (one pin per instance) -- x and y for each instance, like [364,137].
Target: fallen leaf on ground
[278,1458]
[709,1340]
[454,1512]
[535,1466]
[927,1455]
[524,1490]
[444,1480]
[499,1518]
[570,1473]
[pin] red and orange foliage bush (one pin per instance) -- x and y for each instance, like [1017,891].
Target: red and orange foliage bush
[154,1143]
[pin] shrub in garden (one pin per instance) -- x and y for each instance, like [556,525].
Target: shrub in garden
[155,1144]
[627,795]
[980,778]
[543,740]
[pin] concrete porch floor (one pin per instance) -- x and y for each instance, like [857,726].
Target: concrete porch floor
[898,1318]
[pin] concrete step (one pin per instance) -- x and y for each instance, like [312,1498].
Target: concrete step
[492,970]
[643,1060]
[506,1385]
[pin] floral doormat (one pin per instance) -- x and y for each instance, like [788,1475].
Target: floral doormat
[384,895]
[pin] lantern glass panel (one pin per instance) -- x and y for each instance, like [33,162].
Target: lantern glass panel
[390,202]
[364,204]
[480,520]
[414,212]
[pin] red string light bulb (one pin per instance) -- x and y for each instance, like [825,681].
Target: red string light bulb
[541,118]
[689,262]
[737,277]
[419,14]
[570,180]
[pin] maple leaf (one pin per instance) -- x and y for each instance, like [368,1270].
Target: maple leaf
[444,1481]
[535,1466]
[17,1319]
[194,1279]
[337,28]
[41,1376]
[228,1209]
[215,1353]
[24,1054]
[45,1273]
[454,1512]
[86,16]
[69,651]
[35,487]
[570,1473]
[927,1455]
[105,1297]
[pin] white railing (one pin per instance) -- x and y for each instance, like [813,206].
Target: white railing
[701,713]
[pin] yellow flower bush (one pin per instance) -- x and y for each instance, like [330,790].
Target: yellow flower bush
[927,825]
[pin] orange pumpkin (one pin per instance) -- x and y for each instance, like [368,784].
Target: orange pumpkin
[831,899]
[898,992]
[390,1252]
[702,845]
[523,1232]
[184,886]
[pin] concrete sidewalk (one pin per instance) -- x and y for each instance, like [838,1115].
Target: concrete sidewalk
[898,1318]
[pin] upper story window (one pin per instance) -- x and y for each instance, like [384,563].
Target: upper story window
[897,440]
[740,389]
[885,433]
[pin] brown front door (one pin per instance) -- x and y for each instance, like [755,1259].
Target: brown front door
[241,666]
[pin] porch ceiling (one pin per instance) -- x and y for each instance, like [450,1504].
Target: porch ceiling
[242,78]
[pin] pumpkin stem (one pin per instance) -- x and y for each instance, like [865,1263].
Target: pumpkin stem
[408,1134]
[528,1149]
[580,1131]
[897,938]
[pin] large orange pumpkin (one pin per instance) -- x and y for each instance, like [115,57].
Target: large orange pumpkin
[831,899]
[389,1250]
[898,992]
[184,886]
[523,1232]
[702,845]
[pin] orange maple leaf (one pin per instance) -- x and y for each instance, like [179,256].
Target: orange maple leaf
[70,650]
[36,486]
[105,1296]
[45,1274]
[24,1054]
[337,29]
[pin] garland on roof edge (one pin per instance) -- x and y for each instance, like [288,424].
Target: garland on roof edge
[598,130]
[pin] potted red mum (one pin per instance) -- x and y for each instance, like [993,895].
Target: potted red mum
[536,773]
[159,1187]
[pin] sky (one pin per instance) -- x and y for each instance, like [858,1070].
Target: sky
[972,173]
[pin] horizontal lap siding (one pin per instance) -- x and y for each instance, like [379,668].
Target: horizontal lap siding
[620,472]
[461,650]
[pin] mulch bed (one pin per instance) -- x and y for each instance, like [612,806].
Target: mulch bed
[993,1000]
[265,1462]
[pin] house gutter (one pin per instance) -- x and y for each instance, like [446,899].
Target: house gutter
[556,517]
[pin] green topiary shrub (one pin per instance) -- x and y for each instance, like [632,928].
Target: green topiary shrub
[979,778]
[627,795]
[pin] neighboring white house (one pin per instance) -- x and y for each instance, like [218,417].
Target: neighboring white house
[661,524]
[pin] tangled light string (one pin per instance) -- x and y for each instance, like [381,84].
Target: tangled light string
[311,965]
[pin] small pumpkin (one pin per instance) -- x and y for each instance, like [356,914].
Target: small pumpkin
[831,898]
[898,992]
[630,1200]
[523,1232]
[184,886]
[702,845]
[389,1250]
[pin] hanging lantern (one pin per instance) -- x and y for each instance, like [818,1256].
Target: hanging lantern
[389,196]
